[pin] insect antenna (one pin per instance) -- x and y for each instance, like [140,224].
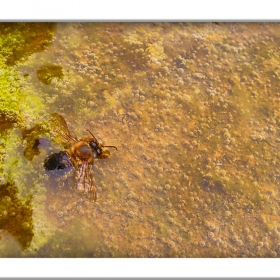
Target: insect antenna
[92,135]
[111,147]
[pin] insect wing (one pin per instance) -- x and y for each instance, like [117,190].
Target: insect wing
[60,131]
[84,180]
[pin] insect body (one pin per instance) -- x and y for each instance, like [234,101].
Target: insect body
[79,154]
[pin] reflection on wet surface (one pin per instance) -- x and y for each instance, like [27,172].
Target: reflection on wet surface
[193,109]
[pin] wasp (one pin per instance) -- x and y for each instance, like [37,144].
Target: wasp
[79,154]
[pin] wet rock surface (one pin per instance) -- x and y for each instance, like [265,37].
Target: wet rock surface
[193,109]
